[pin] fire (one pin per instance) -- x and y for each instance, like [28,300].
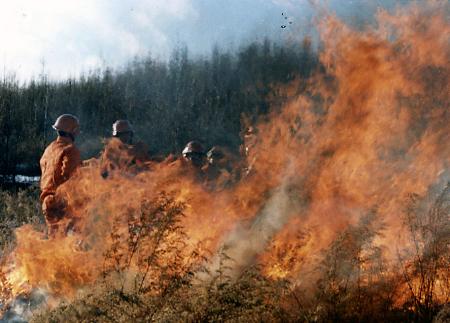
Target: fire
[367,132]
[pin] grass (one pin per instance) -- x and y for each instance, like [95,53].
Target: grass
[18,207]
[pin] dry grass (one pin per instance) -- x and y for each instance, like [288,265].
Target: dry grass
[18,208]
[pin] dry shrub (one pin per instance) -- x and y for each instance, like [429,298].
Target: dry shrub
[149,277]
[251,297]
[354,283]
[357,284]
[18,208]
[143,266]
[426,266]
[152,246]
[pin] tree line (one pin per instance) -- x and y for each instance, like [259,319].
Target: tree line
[168,103]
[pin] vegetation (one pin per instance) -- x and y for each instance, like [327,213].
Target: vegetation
[18,208]
[353,281]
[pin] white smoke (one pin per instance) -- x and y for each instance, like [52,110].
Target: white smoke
[24,307]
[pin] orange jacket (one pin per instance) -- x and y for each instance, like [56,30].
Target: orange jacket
[59,161]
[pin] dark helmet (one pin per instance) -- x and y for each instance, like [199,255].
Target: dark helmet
[193,147]
[121,126]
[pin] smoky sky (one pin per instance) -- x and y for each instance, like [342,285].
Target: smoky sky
[66,38]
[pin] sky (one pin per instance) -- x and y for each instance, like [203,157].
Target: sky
[64,38]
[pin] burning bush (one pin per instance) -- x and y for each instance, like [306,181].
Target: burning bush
[426,264]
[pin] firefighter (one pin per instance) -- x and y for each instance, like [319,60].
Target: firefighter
[248,137]
[58,163]
[122,130]
[194,159]
[248,153]
[219,169]
[122,154]
[194,154]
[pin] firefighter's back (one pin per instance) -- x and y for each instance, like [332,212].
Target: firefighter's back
[59,161]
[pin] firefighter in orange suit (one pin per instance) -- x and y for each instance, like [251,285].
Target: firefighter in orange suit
[121,154]
[58,163]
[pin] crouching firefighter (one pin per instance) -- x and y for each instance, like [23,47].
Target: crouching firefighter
[58,163]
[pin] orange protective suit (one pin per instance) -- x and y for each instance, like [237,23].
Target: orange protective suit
[59,161]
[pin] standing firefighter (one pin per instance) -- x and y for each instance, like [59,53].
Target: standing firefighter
[121,154]
[248,151]
[58,163]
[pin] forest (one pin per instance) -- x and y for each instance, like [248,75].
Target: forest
[203,98]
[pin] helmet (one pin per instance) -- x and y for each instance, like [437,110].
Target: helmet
[215,152]
[121,126]
[250,130]
[67,123]
[193,147]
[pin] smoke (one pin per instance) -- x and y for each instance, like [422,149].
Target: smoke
[90,146]
[24,306]
[243,244]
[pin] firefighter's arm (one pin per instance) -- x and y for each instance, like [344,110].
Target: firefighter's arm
[71,160]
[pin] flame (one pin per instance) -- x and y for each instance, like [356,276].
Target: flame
[369,130]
